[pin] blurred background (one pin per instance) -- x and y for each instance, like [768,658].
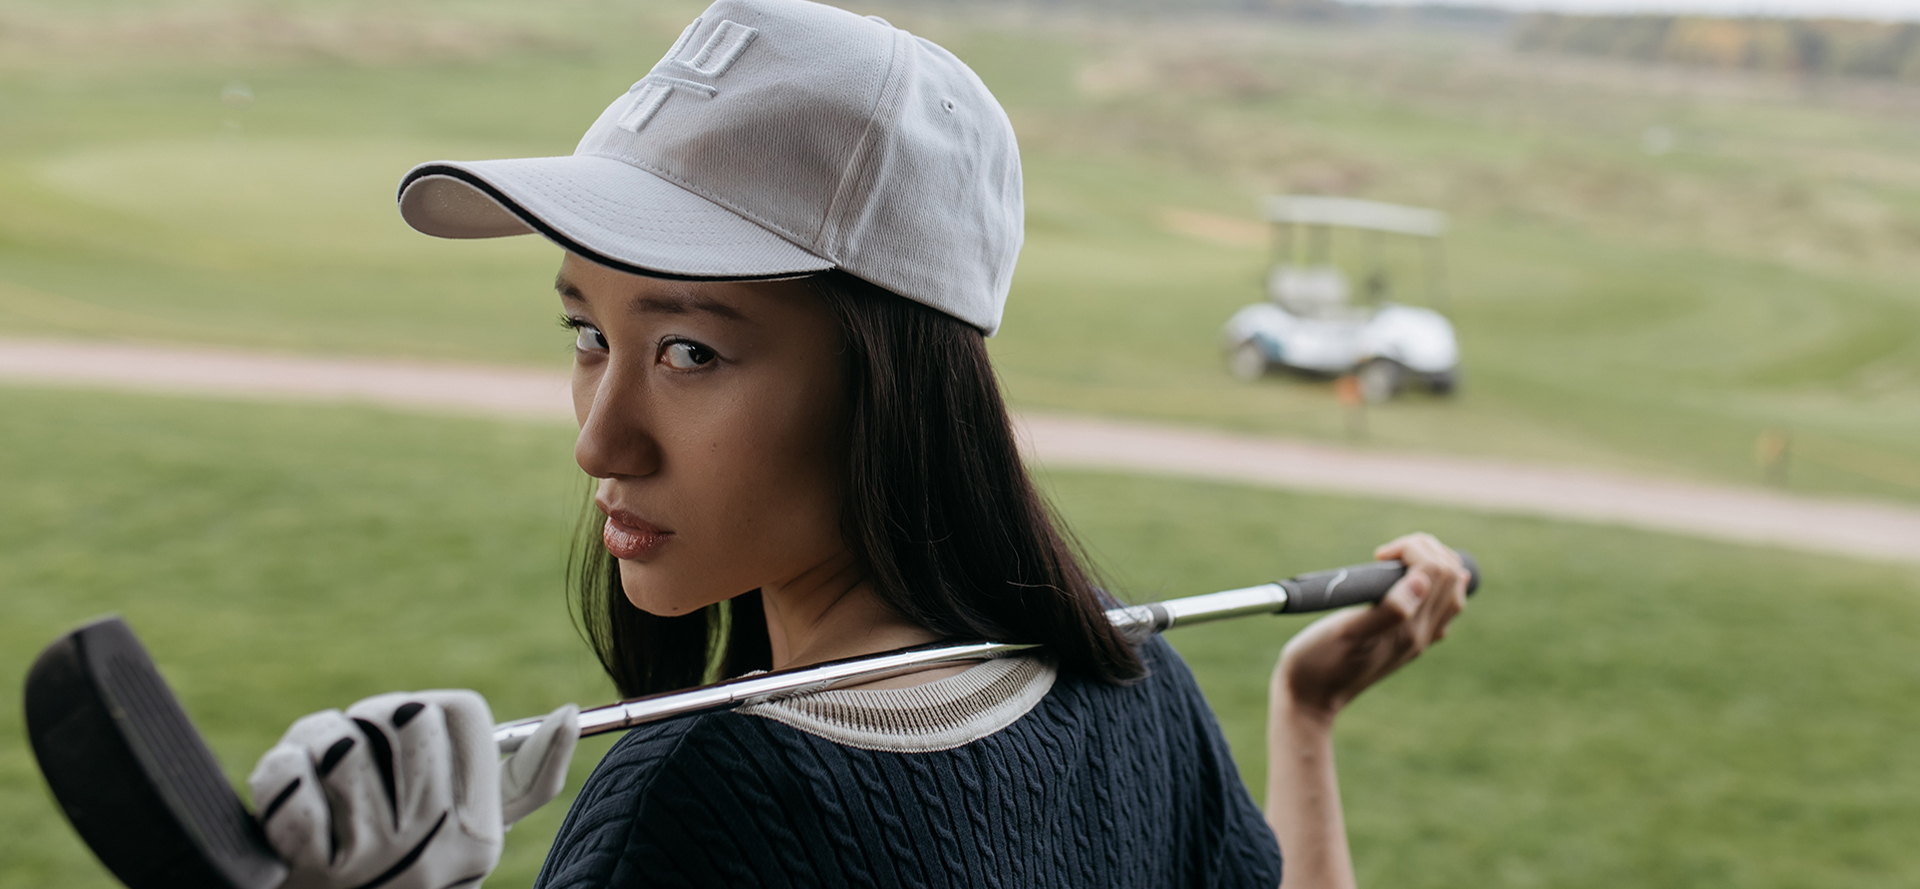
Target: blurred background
[1681,247]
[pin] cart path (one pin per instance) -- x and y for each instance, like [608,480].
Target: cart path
[1866,529]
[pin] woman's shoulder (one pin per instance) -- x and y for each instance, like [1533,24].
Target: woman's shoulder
[680,788]
[935,716]
[600,827]
[940,715]
[626,776]
[1167,681]
[734,796]
[1165,706]
[632,762]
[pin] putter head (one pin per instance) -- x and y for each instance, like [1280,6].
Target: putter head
[133,776]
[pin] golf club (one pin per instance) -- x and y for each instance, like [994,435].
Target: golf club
[145,793]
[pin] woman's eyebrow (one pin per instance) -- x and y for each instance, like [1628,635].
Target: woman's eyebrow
[681,304]
[678,304]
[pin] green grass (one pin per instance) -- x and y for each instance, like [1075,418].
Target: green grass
[1653,313]
[1616,708]
[280,560]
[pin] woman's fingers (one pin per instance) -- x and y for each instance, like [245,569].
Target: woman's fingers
[1445,578]
[345,763]
[401,791]
[1408,595]
[417,743]
[475,761]
[537,772]
[1397,547]
[1336,658]
[293,809]
[1416,549]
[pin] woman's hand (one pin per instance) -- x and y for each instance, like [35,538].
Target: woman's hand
[1324,667]
[403,790]
[1333,660]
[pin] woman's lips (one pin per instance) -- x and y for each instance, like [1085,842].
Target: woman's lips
[631,537]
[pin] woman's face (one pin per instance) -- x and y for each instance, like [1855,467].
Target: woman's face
[713,415]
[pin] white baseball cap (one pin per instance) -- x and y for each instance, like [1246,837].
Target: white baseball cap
[777,138]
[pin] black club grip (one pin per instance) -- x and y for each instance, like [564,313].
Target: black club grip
[1355,585]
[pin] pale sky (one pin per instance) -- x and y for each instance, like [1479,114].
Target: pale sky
[1871,9]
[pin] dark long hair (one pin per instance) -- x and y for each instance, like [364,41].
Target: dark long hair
[939,510]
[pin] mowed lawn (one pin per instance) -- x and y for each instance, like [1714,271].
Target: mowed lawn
[221,172]
[1616,708]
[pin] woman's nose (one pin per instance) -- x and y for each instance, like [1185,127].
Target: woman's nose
[614,439]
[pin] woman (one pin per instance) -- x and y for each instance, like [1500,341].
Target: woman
[784,248]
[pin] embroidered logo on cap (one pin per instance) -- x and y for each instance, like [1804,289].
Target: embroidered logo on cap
[722,49]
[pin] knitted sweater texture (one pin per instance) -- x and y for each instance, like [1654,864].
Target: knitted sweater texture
[1094,786]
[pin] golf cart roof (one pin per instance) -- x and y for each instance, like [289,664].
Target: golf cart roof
[1353,213]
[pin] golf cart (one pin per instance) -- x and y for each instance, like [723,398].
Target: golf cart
[1311,323]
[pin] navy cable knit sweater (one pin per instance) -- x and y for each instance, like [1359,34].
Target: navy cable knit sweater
[1095,786]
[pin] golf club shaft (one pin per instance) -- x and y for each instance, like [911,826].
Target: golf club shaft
[1318,591]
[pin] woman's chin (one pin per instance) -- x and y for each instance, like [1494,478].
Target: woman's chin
[658,596]
[663,606]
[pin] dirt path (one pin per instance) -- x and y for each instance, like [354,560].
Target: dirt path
[1878,531]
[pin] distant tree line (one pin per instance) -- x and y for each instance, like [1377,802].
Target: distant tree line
[1809,46]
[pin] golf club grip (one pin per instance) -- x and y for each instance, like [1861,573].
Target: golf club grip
[1356,585]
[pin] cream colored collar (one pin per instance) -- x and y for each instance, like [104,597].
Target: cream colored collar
[939,715]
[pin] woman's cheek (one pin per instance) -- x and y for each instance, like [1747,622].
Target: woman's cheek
[583,385]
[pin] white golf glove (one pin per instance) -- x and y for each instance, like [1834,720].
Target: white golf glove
[403,791]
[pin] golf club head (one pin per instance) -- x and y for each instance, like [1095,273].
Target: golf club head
[131,772]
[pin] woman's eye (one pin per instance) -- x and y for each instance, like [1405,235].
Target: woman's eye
[588,338]
[684,355]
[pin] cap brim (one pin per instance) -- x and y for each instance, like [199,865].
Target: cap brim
[610,212]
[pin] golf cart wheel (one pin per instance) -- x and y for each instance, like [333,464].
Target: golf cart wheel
[1247,361]
[1445,382]
[1380,379]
